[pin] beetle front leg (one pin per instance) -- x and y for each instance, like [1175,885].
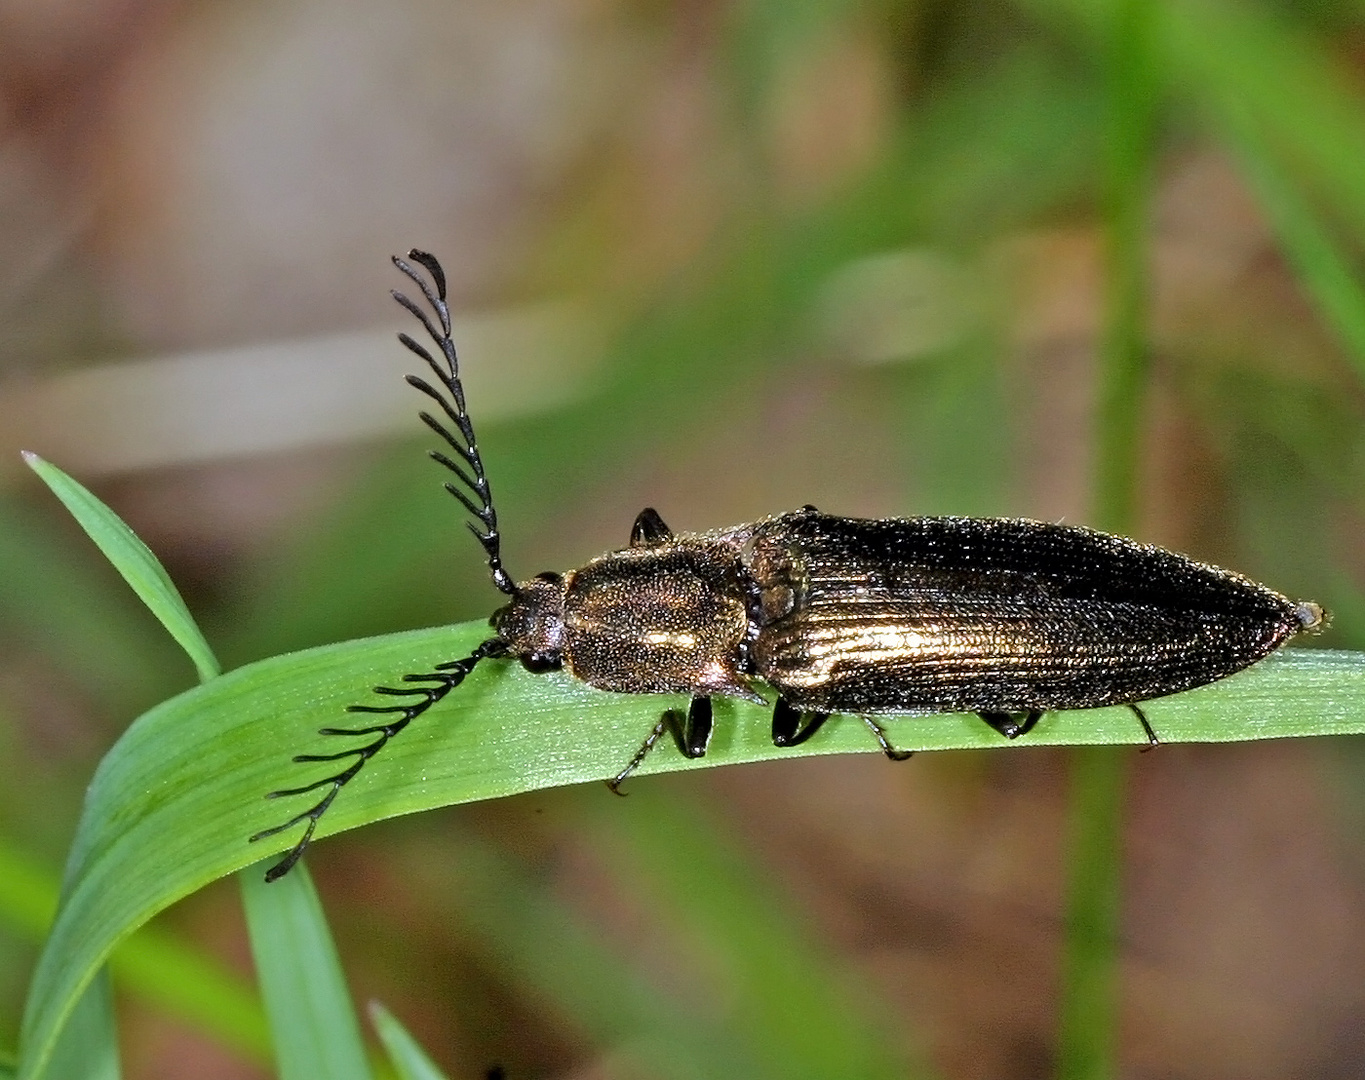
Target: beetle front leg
[692,734]
[1012,725]
[649,529]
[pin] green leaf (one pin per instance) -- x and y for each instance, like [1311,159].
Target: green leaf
[59,597]
[133,559]
[312,1022]
[171,805]
[156,965]
[88,1045]
[1088,1006]
[1321,263]
[405,1052]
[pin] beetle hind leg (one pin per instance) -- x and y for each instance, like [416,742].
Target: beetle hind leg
[691,732]
[1152,741]
[879,733]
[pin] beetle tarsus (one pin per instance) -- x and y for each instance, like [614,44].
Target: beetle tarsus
[879,734]
[669,719]
[691,732]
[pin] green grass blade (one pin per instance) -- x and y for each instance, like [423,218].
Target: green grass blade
[1125,361]
[155,965]
[59,597]
[134,560]
[1298,88]
[312,1021]
[1319,262]
[405,1052]
[171,805]
[88,1046]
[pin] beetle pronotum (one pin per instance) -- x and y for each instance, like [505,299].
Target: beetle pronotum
[1004,618]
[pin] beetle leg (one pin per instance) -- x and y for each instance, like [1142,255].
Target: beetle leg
[1152,740]
[692,735]
[880,735]
[649,529]
[692,742]
[787,727]
[1012,725]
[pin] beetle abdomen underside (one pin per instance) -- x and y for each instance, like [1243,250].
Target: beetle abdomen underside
[972,615]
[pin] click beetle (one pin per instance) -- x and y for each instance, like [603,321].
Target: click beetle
[1004,618]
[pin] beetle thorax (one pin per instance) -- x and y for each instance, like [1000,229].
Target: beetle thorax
[532,625]
[666,618]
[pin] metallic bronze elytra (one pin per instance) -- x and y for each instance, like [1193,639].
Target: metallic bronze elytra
[1005,618]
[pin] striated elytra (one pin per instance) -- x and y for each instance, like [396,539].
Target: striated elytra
[1005,618]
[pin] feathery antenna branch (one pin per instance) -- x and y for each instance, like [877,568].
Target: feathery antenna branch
[465,447]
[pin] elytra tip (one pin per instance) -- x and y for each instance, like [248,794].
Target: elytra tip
[1310,615]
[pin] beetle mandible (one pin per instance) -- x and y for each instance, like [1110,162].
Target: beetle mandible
[1001,617]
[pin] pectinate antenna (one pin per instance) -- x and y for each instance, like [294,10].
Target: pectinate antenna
[471,474]
[475,480]
[444,679]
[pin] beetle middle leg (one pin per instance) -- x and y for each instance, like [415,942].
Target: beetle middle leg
[1012,725]
[691,732]
[788,727]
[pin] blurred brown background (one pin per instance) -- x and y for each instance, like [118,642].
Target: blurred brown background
[725,260]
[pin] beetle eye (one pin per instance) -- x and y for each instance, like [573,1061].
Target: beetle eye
[539,663]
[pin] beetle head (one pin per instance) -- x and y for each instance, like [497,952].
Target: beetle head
[532,624]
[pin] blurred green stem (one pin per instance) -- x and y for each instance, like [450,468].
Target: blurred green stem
[1088,1004]
[1123,371]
